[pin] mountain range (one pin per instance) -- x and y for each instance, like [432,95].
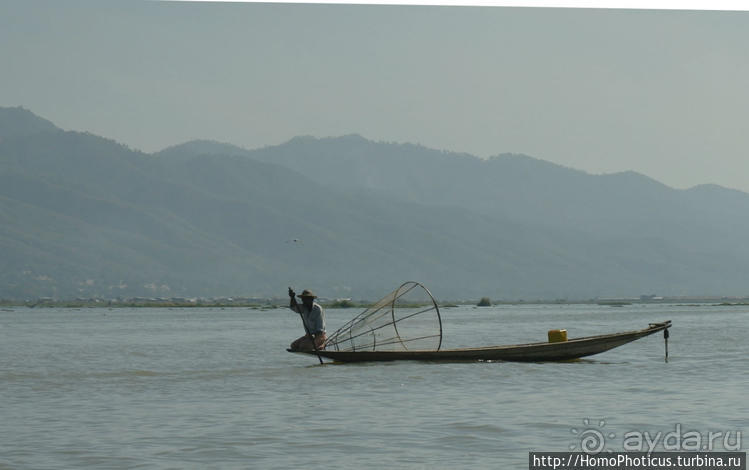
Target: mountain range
[83,216]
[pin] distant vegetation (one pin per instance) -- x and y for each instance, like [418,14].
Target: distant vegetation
[484,302]
[342,303]
[266,304]
[614,303]
[144,303]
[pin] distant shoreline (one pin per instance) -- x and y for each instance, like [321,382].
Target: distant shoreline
[267,304]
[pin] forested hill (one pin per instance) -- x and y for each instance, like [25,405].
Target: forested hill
[81,215]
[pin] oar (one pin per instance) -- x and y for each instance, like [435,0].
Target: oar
[304,324]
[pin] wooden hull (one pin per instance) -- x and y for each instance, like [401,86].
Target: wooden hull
[532,352]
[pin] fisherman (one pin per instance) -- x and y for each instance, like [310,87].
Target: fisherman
[314,321]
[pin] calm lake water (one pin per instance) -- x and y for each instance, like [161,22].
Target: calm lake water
[215,388]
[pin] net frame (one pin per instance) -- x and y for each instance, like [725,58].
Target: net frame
[374,319]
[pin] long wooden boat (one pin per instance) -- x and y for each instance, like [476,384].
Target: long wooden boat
[531,352]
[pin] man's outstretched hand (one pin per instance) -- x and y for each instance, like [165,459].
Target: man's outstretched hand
[292,294]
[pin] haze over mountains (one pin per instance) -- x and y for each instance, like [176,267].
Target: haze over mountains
[81,215]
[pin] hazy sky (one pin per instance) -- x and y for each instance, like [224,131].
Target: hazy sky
[664,93]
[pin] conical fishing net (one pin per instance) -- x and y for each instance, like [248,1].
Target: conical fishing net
[406,319]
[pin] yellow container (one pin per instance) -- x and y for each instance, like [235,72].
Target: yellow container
[557,336]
